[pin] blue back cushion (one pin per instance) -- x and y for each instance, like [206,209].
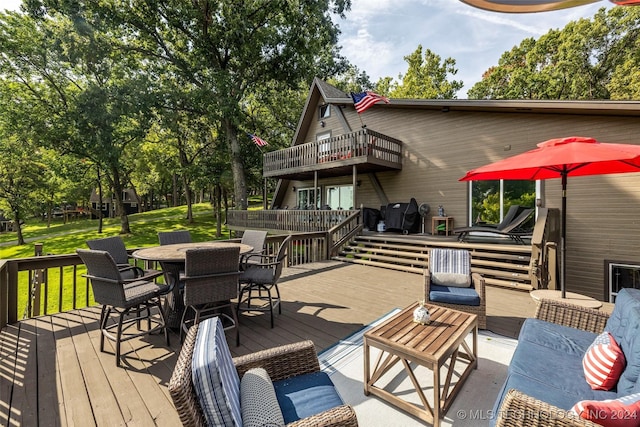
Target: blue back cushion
[624,325]
[214,376]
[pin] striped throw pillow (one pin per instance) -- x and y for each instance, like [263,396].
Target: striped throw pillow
[214,376]
[621,412]
[450,267]
[603,362]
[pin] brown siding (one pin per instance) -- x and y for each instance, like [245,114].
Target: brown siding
[439,148]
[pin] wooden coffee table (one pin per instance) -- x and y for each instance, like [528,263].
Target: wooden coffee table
[442,340]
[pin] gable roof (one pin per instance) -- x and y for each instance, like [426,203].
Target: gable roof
[323,91]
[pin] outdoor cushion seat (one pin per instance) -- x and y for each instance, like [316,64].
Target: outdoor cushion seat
[449,283]
[454,295]
[306,395]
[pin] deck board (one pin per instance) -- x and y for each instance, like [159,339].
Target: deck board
[53,373]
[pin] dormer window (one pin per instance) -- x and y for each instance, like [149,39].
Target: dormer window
[325,111]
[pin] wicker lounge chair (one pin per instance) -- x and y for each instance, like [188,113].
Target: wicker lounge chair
[281,363]
[470,299]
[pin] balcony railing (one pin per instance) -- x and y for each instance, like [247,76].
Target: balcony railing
[371,151]
[302,221]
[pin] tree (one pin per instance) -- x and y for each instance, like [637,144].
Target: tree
[588,59]
[221,52]
[81,95]
[426,77]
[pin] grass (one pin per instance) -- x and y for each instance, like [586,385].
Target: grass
[62,238]
[66,238]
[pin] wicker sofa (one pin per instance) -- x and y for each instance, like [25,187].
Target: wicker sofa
[281,363]
[546,377]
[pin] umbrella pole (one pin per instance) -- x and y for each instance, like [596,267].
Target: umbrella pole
[563,236]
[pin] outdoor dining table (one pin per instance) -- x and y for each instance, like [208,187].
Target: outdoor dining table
[172,259]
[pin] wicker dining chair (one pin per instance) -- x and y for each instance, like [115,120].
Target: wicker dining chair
[123,297]
[210,283]
[173,237]
[449,282]
[118,251]
[263,276]
[255,239]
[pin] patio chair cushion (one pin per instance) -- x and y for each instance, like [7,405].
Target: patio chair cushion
[258,400]
[450,267]
[621,412]
[214,375]
[306,395]
[454,295]
[603,362]
[624,326]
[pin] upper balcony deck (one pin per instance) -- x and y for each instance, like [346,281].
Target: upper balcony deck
[368,150]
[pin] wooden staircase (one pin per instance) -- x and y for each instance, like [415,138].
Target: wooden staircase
[504,265]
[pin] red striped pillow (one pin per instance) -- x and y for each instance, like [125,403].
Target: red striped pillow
[603,362]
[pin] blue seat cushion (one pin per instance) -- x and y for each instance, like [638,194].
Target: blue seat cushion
[306,395]
[454,295]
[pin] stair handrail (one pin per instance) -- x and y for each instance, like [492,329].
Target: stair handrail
[340,234]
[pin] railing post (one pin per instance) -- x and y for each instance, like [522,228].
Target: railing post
[12,299]
[38,278]
[4,293]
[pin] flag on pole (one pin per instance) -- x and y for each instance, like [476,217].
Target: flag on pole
[257,140]
[364,100]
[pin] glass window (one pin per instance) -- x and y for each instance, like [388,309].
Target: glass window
[490,200]
[325,111]
[340,197]
[305,198]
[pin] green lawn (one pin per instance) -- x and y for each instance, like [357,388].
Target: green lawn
[66,238]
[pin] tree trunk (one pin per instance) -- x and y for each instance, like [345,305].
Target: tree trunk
[100,195]
[187,193]
[218,209]
[175,190]
[239,183]
[18,226]
[117,189]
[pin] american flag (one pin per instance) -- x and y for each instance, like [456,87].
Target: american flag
[364,100]
[257,140]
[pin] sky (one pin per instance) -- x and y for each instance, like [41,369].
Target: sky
[378,34]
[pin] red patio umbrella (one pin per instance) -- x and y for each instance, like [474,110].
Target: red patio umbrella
[560,158]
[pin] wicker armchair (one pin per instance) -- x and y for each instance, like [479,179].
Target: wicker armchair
[477,285]
[519,409]
[125,298]
[210,283]
[280,362]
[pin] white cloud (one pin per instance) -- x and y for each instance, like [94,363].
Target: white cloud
[377,34]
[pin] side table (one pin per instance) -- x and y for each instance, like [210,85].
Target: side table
[437,221]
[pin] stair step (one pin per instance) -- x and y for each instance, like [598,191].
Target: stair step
[380,264]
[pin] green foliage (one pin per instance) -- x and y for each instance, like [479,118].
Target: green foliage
[427,77]
[588,59]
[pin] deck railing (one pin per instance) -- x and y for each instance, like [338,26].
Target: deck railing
[288,220]
[54,283]
[364,144]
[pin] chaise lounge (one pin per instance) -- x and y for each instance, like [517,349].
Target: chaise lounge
[508,227]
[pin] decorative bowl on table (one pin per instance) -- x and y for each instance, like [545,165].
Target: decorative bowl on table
[421,314]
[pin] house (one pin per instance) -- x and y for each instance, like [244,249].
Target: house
[129,200]
[390,153]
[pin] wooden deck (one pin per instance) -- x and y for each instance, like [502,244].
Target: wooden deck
[52,372]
